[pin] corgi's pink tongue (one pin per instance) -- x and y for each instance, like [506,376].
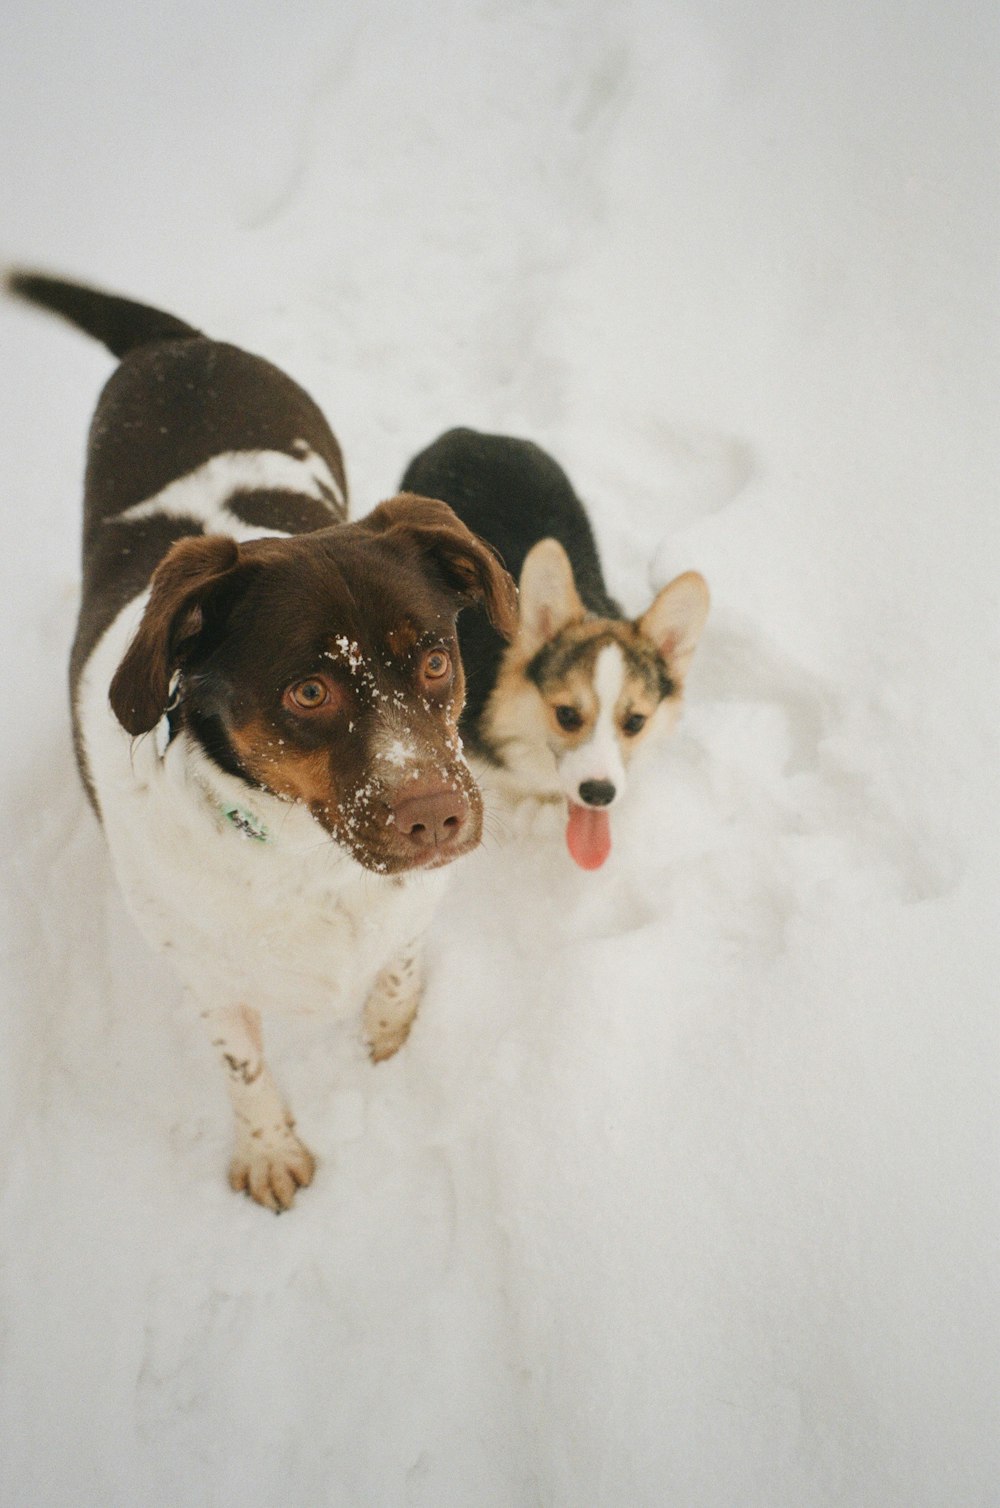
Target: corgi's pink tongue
[588,835]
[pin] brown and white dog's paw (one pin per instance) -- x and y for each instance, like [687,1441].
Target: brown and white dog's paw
[271,1170]
[392,1005]
[383,1038]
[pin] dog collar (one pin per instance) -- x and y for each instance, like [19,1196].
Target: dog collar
[230,813]
[246,823]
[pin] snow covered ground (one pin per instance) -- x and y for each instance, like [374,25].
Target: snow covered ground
[684,1191]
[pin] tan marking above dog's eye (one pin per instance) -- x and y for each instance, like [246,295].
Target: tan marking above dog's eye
[568,718]
[401,639]
[634,723]
[309,695]
[437,665]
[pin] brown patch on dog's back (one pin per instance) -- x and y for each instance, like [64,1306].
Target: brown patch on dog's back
[291,512]
[171,407]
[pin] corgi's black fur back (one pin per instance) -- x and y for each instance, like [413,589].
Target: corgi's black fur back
[512,493]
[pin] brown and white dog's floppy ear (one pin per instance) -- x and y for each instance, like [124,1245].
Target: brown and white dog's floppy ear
[468,565]
[549,598]
[183,584]
[676,619]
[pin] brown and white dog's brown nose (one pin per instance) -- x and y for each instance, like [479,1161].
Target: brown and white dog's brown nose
[433,819]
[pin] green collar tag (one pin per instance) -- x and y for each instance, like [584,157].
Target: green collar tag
[246,823]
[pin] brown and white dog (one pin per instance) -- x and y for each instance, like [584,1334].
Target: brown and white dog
[558,714]
[265,700]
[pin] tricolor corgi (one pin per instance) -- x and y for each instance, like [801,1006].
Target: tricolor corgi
[557,713]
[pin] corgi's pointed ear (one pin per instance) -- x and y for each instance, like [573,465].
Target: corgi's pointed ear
[676,619]
[548,596]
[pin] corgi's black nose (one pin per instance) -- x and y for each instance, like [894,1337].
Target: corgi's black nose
[597,792]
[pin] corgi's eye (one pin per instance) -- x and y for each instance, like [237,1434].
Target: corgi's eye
[568,719]
[634,723]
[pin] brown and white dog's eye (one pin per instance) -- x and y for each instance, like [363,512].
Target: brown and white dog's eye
[309,695]
[634,723]
[436,666]
[568,718]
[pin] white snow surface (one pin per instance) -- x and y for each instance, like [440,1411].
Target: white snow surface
[684,1190]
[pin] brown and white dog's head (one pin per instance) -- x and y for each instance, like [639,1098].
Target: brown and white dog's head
[324,668]
[577,694]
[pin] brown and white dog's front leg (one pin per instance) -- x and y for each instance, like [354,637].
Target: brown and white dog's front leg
[269,1161]
[392,1004]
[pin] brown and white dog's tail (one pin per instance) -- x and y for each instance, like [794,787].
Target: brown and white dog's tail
[118,323]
